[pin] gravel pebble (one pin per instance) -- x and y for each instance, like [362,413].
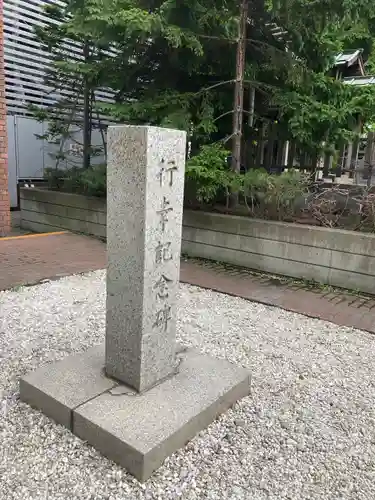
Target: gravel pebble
[306,432]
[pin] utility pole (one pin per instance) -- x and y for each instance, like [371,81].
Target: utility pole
[239,88]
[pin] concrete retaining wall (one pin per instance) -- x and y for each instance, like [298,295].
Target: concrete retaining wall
[43,210]
[340,258]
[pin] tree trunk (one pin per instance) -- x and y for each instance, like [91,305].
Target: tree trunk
[239,94]
[369,157]
[87,118]
[251,106]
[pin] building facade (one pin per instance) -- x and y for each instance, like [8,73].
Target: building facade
[4,191]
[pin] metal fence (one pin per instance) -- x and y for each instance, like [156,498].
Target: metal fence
[275,154]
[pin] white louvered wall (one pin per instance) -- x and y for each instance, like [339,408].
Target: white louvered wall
[25,60]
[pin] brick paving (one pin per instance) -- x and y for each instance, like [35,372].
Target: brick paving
[29,259]
[34,258]
[338,306]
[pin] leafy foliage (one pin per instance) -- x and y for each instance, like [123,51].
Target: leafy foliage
[208,172]
[274,196]
[73,76]
[263,194]
[173,64]
[324,115]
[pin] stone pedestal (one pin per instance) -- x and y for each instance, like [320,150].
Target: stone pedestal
[139,398]
[136,430]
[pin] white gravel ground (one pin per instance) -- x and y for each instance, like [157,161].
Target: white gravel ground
[307,431]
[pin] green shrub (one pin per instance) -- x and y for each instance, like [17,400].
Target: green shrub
[282,193]
[89,182]
[94,181]
[208,172]
[265,195]
[210,180]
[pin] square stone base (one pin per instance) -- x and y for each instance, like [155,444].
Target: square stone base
[138,431]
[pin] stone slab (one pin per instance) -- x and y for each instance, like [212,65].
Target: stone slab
[58,388]
[136,430]
[139,431]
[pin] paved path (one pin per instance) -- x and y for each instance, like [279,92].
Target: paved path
[331,305]
[33,258]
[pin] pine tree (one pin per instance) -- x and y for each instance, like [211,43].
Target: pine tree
[74,74]
[174,64]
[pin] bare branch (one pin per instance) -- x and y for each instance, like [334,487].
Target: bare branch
[202,91]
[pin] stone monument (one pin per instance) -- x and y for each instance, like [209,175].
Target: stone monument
[141,396]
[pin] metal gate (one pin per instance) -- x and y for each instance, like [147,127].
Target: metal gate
[25,152]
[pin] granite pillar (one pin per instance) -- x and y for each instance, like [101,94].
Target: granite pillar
[145,186]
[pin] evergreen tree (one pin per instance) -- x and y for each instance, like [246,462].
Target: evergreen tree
[174,64]
[74,74]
